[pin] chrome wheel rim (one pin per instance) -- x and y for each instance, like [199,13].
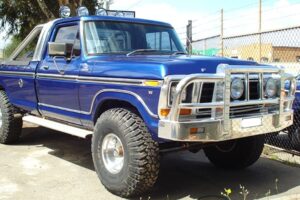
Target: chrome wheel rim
[1,118]
[112,153]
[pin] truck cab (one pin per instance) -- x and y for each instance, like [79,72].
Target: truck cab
[129,84]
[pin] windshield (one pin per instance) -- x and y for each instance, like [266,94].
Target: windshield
[121,38]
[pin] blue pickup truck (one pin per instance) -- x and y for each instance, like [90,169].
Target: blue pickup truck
[129,85]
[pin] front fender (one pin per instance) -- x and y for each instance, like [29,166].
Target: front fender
[132,98]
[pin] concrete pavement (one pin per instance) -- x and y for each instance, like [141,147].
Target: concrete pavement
[51,165]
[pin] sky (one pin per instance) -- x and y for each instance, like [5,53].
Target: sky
[240,16]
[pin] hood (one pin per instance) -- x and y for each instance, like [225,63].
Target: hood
[156,67]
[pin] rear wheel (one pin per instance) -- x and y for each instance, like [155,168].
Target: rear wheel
[294,131]
[236,154]
[10,126]
[126,158]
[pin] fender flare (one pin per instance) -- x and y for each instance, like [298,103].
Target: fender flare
[123,95]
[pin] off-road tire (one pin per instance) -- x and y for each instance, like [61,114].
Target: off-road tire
[141,153]
[11,128]
[239,154]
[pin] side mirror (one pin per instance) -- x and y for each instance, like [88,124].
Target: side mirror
[57,49]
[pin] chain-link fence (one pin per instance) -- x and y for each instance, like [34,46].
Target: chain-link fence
[280,47]
[1,54]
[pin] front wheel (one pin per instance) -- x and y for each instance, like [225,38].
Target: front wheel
[125,157]
[236,154]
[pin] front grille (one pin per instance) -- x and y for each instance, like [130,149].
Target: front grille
[207,92]
[204,113]
[252,83]
[254,89]
[242,111]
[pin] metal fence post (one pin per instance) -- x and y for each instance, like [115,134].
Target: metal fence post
[189,36]
[259,28]
[222,33]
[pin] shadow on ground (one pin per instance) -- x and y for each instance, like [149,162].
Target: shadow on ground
[182,174]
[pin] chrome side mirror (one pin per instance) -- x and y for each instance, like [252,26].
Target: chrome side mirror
[57,49]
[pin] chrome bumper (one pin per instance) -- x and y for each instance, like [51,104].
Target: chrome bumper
[226,128]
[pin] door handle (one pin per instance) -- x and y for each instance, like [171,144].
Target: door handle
[45,67]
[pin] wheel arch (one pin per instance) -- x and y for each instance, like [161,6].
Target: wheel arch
[124,99]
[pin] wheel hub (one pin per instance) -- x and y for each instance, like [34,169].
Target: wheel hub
[112,153]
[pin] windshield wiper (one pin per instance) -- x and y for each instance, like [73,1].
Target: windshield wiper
[141,51]
[178,53]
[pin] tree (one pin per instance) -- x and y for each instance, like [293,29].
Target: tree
[19,17]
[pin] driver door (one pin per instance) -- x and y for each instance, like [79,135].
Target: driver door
[57,86]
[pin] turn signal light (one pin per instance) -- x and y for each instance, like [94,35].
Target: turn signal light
[193,130]
[152,83]
[165,112]
[185,112]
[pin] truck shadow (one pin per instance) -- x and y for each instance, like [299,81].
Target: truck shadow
[182,174]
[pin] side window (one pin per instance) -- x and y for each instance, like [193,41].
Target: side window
[27,52]
[70,35]
[160,41]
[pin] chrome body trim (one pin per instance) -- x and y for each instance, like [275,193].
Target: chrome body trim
[104,80]
[14,73]
[176,128]
[62,108]
[95,97]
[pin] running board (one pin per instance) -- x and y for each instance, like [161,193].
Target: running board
[82,133]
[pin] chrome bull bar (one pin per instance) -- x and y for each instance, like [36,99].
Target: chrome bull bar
[226,128]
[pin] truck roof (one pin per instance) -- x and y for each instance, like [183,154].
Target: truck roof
[111,18]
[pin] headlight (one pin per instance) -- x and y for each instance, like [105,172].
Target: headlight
[237,88]
[271,88]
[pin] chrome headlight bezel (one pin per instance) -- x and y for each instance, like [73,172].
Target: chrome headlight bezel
[237,88]
[271,88]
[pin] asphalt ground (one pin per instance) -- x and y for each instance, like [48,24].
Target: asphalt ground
[46,164]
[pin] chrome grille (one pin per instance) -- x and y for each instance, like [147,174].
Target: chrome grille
[253,83]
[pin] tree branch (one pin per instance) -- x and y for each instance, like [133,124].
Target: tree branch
[45,9]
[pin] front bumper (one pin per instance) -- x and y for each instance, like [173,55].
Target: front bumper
[212,130]
[226,128]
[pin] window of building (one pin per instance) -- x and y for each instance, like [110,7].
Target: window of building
[277,60]
[297,58]
[251,59]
